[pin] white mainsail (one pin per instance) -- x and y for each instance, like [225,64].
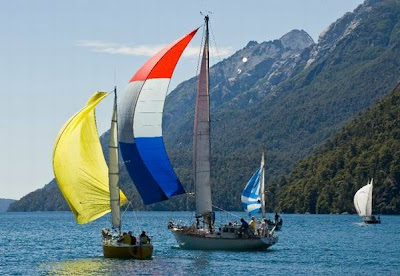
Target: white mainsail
[201,137]
[363,200]
[113,169]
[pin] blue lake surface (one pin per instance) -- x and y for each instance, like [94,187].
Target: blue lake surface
[51,243]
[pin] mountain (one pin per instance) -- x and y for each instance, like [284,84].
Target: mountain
[285,96]
[4,203]
[48,198]
[279,55]
[367,147]
[354,64]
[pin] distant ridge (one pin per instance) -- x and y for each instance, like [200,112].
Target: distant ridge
[4,203]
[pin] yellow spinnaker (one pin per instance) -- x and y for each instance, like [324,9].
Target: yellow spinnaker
[79,165]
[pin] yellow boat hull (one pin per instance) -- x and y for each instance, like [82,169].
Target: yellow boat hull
[122,251]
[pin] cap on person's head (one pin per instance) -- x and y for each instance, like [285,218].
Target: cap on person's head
[252,218]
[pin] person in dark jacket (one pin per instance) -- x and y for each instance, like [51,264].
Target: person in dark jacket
[276,218]
[144,238]
[133,238]
[244,227]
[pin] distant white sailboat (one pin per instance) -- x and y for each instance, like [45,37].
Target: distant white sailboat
[363,203]
[202,233]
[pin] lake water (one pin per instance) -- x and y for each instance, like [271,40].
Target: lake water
[51,243]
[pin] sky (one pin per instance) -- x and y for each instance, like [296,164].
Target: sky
[55,54]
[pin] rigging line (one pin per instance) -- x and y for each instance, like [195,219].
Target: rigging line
[126,209]
[200,52]
[115,76]
[223,210]
[123,213]
[199,59]
[218,56]
[136,217]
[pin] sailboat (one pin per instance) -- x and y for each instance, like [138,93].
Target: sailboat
[90,187]
[202,234]
[363,203]
[253,197]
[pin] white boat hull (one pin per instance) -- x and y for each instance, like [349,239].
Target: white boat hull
[191,241]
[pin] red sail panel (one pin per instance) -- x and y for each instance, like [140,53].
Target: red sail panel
[162,65]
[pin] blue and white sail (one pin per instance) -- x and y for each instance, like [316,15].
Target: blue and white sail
[251,195]
[140,133]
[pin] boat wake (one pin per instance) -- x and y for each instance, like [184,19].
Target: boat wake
[361,224]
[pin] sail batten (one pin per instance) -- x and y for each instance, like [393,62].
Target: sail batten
[79,166]
[141,141]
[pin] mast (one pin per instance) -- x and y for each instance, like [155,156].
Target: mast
[113,168]
[262,186]
[201,138]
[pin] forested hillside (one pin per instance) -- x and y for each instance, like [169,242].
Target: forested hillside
[355,63]
[368,147]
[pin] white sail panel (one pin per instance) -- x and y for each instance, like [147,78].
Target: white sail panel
[149,108]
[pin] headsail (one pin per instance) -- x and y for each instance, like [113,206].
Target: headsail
[79,166]
[363,200]
[251,199]
[140,133]
[201,136]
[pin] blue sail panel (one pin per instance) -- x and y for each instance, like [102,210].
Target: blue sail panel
[149,189]
[154,156]
[251,198]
